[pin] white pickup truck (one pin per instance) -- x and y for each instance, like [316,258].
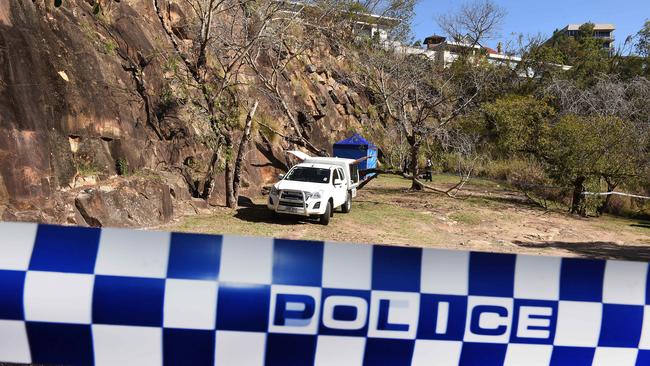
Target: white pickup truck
[316,187]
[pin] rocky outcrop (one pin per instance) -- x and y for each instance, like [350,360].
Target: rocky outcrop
[84,100]
[134,203]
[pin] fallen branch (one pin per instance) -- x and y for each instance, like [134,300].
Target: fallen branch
[438,190]
[542,204]
[407,176]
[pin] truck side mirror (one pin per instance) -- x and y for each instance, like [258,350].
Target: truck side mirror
[280,176]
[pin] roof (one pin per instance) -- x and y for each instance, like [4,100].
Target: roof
[434,39]
[597,26]
[491,51]
[355,139]
[297,6]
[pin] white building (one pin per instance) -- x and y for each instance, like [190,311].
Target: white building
[602,31]
[364,24]
[445,52]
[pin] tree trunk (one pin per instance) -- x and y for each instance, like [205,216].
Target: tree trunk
[208,182]
[243,145]
[611,186]
[415,170]
[578,200]
[231,202]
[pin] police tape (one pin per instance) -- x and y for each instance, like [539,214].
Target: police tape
[83,296]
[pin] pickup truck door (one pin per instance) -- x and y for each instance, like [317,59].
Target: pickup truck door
[340,191]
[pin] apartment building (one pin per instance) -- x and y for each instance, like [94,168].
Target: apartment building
[604,32]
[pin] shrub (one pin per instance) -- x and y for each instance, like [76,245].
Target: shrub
[87,169]
[122,166]
[110,46]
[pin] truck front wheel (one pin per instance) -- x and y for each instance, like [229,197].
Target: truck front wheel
[347,206]
[325,217]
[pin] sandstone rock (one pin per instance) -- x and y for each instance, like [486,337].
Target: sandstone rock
[354,98]
[348,108]
[134,203]
[335,97]
[319,100]
[318,79]
[305,119]
[78,129]
[338,96]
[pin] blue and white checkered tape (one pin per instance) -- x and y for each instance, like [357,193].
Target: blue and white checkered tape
[84,296]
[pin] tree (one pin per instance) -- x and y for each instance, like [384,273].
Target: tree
[221,34]
[401,10]
[539,62]
[584,53]
[643,40]
[285,43]
[415,95]
[579,149]
[476,21]
[517,124]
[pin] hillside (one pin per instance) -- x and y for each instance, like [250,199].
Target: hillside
[133,113]
[92,134]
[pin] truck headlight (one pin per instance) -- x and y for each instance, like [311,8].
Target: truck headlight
[314,195]
[274,191]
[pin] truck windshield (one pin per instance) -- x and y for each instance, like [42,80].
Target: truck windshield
[306,174]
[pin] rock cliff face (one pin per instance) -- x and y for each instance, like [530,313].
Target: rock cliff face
[76,115]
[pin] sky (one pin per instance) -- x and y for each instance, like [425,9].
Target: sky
[544,16]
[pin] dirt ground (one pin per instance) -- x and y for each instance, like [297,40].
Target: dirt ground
[488,217]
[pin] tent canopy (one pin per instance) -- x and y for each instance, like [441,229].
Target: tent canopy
[355,140]
[356,147]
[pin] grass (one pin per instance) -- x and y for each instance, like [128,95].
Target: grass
[110,47]
[87,169]
[466,218]
[613,223]
[386,212]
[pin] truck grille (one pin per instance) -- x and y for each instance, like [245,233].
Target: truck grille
[291,203]
[292,195]
[291,199]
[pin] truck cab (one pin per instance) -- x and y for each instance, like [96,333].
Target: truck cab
[316,187]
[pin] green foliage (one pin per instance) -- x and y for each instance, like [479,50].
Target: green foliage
[357,7]
[110,46]
[517,123]
[267,125]
[589,147]
[88,31]
[87,169]
[541,61]
[373,113]
[466,218]
[643,40]
[122,166]
[584,53]
[147,174]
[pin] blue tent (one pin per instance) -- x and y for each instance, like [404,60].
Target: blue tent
[356,147]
